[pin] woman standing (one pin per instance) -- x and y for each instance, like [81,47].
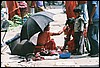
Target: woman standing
[13,8]
[69,6]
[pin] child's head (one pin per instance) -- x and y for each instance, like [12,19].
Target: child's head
[69,21]
[77,12]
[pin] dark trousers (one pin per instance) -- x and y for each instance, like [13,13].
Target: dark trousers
[93,37]
[77,36]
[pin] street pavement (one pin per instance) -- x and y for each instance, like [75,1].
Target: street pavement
[8,60]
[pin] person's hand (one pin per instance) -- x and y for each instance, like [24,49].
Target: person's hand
[90,21]
[60,32]
[81,33]
[64,28]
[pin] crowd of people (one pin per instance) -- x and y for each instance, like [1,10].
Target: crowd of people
[82,16]
[21,8]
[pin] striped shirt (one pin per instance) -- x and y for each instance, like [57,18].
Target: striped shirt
[79,24]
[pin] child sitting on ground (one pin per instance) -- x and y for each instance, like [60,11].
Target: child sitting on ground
[45,41]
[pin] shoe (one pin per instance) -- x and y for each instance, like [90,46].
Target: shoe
[95,55]
[89,54]
[78,53]
[74,53]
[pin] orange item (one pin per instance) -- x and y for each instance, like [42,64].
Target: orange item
[48,46]
[71,45]
[38,48]
[70,5]
[51,45]
[82,2]
[44,39]
[68,32]
[13,8]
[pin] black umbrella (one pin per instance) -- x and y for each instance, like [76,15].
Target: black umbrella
[36,23]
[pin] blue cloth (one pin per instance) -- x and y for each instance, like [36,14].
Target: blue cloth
[93,38]
[89,6]
[39,3]
[93,29]
[65,55]
[85,12]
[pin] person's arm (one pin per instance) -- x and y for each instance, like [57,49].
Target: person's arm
[61,31]
[58,33]
[66,29]
[92,13]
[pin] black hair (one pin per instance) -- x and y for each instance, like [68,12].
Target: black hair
[70,21]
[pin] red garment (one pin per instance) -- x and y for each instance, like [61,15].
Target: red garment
[51,45]
[85,33]
[68,32]
[13,8]
[43,37]
[45,40]
[82,2]
[70,5]
[71,45]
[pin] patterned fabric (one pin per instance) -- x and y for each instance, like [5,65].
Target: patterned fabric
[79,24]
